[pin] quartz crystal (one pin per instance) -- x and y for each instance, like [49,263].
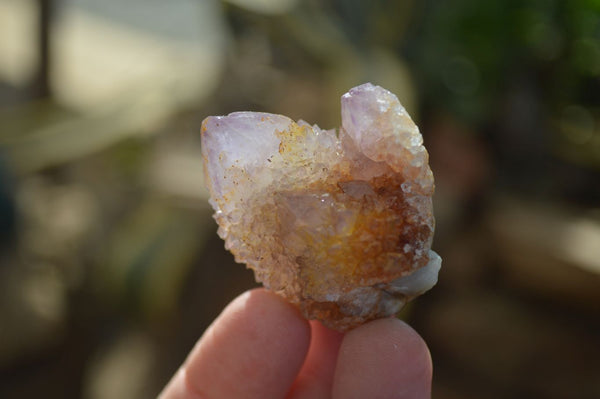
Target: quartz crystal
[338,222]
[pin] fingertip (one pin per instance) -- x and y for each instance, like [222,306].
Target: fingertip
[385,359]
[260,310]
[254,349]
[179,388]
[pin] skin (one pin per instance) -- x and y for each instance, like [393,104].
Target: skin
[261,347]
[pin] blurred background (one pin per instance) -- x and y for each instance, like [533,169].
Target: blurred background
[110,266]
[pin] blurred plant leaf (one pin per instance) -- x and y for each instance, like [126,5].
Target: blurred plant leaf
[269,7]
[77,136]
[150,255]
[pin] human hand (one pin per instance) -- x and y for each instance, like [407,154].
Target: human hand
[261,347]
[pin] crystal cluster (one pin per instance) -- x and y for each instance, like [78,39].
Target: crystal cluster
[338,222]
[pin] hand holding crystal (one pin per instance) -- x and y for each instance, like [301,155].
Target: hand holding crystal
[338,225]
[261,347]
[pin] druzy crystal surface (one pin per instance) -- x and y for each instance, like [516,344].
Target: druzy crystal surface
[338,222]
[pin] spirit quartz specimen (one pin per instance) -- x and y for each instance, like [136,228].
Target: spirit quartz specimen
[339,223]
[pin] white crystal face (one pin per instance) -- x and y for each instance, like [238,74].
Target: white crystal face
[239,144]
[341,226]
[421,280]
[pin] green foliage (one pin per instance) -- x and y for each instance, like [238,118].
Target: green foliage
[466,53]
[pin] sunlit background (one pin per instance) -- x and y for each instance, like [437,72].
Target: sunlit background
[110,268]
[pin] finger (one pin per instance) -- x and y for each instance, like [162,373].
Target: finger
[316,376]
[254,349]
[383,359]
